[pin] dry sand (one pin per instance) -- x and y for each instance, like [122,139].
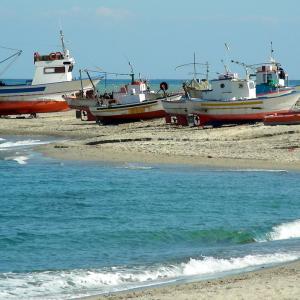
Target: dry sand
[247,146]
[244,146]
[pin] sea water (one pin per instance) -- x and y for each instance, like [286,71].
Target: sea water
[72,228]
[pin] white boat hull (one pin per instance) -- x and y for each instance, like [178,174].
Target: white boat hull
[148,109]
[24,99]
[235,111]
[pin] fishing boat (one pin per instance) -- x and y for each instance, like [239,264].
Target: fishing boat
[52,79]
[230,100]
[133,101]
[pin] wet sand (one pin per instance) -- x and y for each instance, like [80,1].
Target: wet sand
[245,146]
[277,283]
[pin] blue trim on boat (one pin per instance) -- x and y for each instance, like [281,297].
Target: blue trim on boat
[121,106]
[22,90]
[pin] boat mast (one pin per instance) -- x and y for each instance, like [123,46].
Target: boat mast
[227,71]
[195,66]
[207,70]
[63,45]
[131,72]
[80,72]
[88,74]
[272,59]
[13,57]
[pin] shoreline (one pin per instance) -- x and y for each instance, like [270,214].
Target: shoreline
[275,282]
[59,151]
[234,147]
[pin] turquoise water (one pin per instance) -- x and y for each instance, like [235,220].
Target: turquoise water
[71,229]
[109,85]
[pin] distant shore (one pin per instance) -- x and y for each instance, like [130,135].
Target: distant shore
[276,283]
[244,146]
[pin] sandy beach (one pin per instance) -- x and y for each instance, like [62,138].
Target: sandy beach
[244,146]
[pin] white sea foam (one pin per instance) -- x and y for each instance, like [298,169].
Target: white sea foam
[259,170]
[24,143]
[285,231]
[210,265]
[2,139]
[132,166]
[22,160]
[67,284]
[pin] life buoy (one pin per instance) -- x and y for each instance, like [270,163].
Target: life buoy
[174,120]
[163,86]
[84,115]
[197,120]
[52,56]
[58,55]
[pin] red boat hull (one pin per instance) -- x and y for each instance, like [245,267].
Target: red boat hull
[29,107]
[237,119]
[289,118]
[204,119]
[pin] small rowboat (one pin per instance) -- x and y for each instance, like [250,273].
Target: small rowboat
[289,118]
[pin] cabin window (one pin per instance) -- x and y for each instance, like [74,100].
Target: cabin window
[70,68]
[241,85]
[54,70]
[251,85]
[49,70]
[264,77]
[222,85]
[59,69]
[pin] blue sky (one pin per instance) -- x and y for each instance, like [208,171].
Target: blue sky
[155,36]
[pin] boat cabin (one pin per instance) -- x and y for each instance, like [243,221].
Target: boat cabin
[230,87]
[53,67]
[132,93]
[270,78]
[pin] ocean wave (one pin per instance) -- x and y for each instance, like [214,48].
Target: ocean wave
[283,231]
[24,143]
[207,236]
[133,166]
[258,170]
[2,139]
[22,160]
[65,284]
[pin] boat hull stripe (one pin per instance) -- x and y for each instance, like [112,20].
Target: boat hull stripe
[23,90]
